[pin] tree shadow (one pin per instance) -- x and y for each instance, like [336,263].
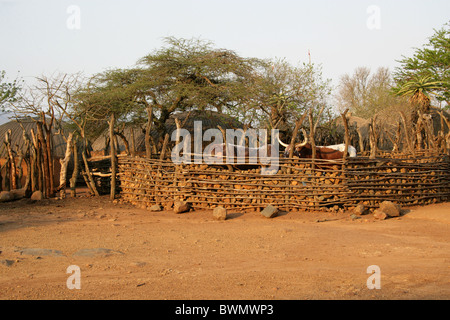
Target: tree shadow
[404,212]
[234,215]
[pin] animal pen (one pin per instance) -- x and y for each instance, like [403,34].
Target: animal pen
[407,178]
[414,176]
[299,184]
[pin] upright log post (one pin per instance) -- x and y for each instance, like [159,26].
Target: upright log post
[347,136]
[133,143]
[90,182]
[36,158]
[229,166]
[12,161]
[148,128]
[64,163]
[373,138]
[407,134]
[164,147]
[46,173]
[360,140]
[73,179]
[113,158]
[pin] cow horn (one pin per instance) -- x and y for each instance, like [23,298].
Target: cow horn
[305,141]
[280,142]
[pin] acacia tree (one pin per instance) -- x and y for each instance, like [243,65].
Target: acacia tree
[428,68]
[183,75]
[8,90]
[282,93]
[365,94]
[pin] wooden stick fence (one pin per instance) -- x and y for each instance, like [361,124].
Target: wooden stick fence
[298,184]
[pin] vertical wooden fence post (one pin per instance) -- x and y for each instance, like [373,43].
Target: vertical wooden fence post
[113,157]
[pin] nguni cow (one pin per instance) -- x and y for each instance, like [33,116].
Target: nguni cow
[341,147]
[241,154]
[304,150]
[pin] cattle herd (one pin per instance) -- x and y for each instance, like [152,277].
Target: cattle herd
[301,150]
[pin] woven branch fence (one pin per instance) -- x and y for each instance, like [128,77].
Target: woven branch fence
[299,184]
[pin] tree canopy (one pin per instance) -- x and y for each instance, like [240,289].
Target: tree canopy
[365,93]
[8,90]
[430,63]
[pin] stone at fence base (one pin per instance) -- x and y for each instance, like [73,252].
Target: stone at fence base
[37,196]
[270,211]
[379,214]
[17,194]
[220,213]
[5,196]
[360,210]
[155,207]
[390,208]
[180,207]
[168,205]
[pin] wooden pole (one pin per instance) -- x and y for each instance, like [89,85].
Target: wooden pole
[113,158]
[133,143]
[311,138]
[407,134]
[373,138]
[347,137]
[73,179]
[64,163]
[45,164]
[12,161]
[148,128]
[37,163]
[360,140]
[164,147]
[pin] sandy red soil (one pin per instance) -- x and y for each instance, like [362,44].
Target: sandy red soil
[163,255]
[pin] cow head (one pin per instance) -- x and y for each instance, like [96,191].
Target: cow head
[297,148]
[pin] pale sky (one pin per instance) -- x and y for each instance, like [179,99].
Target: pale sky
[42,37]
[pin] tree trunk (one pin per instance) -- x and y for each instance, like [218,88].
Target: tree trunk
[347,137]
[27,185]
[37,164]
[64,162]
[164,147]
[373,139]
[19,171]
[294,135]
[311,137]
[88,176]
[12,161]
[148,128]
[73,179]
[45,165]
[360,140]
[49,151]
[133,143]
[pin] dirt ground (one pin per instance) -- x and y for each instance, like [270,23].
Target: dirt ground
[163,255]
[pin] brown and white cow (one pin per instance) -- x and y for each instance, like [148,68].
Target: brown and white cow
[304,150]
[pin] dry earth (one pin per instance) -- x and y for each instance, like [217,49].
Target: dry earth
[162,255]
